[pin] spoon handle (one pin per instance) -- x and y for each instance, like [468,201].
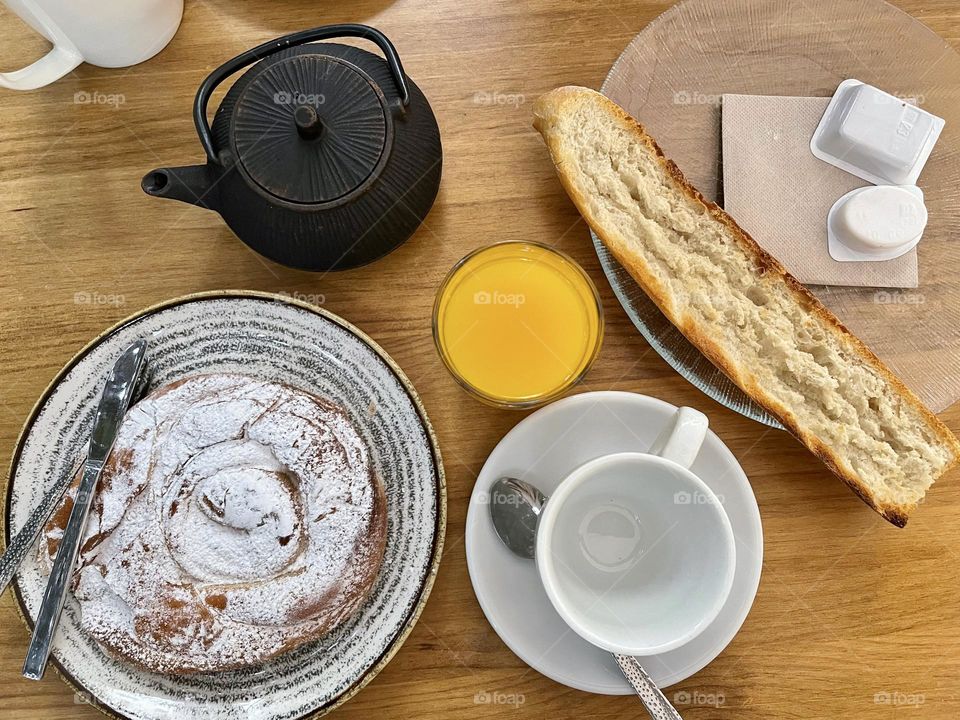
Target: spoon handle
[650,695]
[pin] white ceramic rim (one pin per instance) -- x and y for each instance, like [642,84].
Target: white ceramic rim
[548,574]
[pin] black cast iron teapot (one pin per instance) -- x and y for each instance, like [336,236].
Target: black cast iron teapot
[321,156]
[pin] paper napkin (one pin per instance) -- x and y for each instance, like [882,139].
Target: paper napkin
[780,193]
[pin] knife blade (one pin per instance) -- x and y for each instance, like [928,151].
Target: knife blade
[114,403]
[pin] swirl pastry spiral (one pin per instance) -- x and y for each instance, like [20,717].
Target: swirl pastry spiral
[236,519]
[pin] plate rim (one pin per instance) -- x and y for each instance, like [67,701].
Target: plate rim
[608,264]
[439,528]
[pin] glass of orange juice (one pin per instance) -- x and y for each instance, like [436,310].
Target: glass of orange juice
[517,323]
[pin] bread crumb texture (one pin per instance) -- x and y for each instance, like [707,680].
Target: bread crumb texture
[739,306]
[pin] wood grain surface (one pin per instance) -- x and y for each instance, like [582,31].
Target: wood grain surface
[854,618]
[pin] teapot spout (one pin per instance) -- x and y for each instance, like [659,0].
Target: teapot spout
[190,184]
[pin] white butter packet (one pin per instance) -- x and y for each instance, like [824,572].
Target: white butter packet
[875,223]
[874,135]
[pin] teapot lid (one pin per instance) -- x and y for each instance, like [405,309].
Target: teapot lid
[311,128]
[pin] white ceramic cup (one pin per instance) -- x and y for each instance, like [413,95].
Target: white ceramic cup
[108,33]
[635,552]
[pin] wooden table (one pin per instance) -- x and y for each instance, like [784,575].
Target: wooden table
[850,612]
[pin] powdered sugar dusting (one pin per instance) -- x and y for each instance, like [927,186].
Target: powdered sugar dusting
[237,518]
[275,340]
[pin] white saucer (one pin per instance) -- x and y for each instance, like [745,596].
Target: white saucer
[543,449]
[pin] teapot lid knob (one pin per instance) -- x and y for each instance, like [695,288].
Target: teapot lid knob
[310,128]
[308,122]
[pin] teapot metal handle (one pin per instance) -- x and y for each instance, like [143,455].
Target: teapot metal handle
[268,48]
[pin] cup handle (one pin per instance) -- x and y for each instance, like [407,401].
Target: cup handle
[54,65]
[681,439]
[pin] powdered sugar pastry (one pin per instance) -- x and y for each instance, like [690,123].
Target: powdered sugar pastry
[235,519]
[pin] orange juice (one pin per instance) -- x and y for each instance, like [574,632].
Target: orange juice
[517,323]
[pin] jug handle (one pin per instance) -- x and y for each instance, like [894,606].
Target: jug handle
[251,56]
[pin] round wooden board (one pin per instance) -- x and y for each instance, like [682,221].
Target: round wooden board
[671,78]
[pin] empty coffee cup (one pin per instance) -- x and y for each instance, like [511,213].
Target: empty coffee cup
[636,553]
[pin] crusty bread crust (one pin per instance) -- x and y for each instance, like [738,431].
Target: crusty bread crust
[565,99]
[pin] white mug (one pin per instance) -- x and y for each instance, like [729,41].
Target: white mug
[108,33]
[635,552]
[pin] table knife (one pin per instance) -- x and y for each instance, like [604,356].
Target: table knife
[114,403]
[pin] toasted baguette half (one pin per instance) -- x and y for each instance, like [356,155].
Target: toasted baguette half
[741,308]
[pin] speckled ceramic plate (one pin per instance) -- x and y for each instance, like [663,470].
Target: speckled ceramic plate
[672,346]
[279,339]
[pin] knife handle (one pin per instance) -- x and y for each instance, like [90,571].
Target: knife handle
[20,544]
[56,593]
